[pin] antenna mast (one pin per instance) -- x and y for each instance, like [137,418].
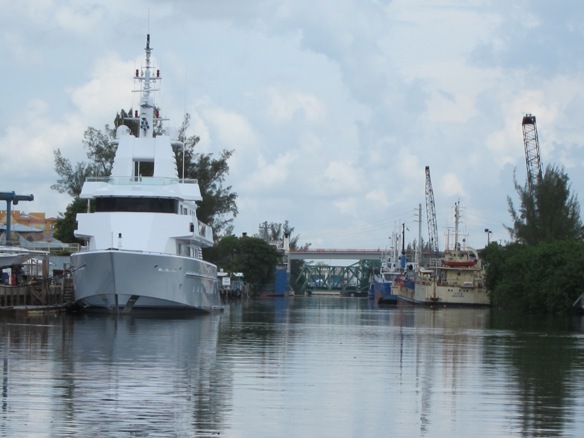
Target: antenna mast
[148,113]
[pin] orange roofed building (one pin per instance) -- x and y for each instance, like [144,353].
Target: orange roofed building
[34,220]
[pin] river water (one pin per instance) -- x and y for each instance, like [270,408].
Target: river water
[293,367]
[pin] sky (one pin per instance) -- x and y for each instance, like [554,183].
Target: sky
[333,108]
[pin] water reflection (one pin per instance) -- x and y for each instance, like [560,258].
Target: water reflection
[542,362]
[111,376]
[294,367]
[342,366]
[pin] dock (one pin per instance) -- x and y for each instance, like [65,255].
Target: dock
[46,295]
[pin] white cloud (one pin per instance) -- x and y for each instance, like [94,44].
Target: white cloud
[108,90]
[451,185]
[341,177]
[378,199]
[346,206]
[284,105]
[268,176]
[230,128]
[332,108]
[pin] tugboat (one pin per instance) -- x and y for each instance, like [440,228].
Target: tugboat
[143,241]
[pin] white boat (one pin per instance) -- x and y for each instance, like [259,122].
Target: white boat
[458,279]
[14,255]
[143,243]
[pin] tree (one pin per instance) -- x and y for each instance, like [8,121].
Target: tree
[252,256]
[543,278]
[67,224]
[71,178]
[219,207]
[547,213]
[274,233]
[100,152]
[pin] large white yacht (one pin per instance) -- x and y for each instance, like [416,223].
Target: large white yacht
[143,241]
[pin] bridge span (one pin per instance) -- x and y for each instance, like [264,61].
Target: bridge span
[335,254]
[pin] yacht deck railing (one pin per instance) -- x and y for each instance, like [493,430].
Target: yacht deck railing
[145,180]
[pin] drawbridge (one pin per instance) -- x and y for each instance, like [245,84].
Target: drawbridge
[321,277]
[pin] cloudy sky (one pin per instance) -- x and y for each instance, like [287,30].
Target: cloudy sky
[333,108]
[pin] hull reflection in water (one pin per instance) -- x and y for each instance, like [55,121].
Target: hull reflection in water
[114,377]
[159,371]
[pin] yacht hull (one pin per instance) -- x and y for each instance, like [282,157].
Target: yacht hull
[125,280]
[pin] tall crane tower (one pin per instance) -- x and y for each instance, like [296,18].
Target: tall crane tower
[431,213]
[532,157]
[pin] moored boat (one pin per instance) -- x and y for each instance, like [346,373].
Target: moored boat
[14,255]
[143,241]
[382,280]
[381,286]
[458,279]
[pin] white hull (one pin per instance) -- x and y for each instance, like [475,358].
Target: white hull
[126,280]
[432,294]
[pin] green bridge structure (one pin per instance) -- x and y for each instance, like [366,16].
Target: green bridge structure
[353,279]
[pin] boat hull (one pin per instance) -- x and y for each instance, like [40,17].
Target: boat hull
[126,280]
[383,291]
[432,294]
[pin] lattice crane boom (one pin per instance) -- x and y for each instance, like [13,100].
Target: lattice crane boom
[431,213]
[532,156]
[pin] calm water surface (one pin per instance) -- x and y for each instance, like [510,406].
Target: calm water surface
[297,367]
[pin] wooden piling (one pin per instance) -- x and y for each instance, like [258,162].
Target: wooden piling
[37,295]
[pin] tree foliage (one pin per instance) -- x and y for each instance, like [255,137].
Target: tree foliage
[545,278]
[67,224]
[274,233]
[547,213]
[71,178]
[541,271]
[252,256]
[219,207]
[100,152]
[100,149]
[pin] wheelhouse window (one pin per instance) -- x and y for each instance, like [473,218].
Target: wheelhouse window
[142,205]
[143,168]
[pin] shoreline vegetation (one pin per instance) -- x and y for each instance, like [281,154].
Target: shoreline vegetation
[545,278]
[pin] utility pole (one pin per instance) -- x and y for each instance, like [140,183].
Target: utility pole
[419,246]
